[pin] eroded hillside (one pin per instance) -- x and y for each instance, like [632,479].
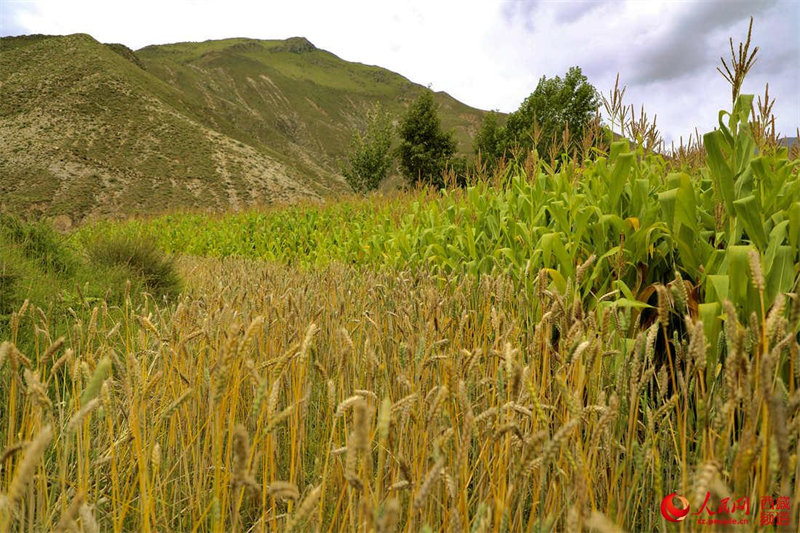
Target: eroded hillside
[96,129]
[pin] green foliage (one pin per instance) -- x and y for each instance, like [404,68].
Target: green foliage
[34,262]
[303,235]
[8,286]
[487,143]
[370,157]
[40,242]
[458,171]
[758,196]
[553,106]
[51,271]
[547,221]
[718,228]
[140,256]
[425,148]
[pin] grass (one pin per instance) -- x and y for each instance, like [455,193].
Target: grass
[39,242]
[307,234]
[141,257]
[9,279]
[39,265]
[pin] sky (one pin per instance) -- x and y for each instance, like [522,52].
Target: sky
[489,54]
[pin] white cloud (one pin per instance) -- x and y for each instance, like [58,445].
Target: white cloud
[488,54]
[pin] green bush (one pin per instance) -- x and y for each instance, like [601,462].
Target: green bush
[8,282]
[139,256]
[370,157]
[41,243]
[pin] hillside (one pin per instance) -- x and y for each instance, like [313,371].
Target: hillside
[96,129]
[789,142]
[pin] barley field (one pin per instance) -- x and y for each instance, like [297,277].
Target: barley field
[270,398]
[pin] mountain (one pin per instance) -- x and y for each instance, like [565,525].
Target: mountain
[93,129]
[789,142]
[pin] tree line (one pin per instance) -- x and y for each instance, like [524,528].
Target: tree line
[558,109]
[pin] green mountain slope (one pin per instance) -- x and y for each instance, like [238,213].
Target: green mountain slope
[95,129]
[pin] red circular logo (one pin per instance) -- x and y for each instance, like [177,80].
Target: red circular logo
[670,511]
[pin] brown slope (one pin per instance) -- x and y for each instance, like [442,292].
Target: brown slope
[93,129]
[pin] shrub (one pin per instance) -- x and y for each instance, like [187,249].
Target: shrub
[41,243]
[8,282]
[141,257]
[370,158]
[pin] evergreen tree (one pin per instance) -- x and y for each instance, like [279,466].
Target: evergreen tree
[424,148]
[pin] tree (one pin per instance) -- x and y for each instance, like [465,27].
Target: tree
[487,143]
[425,148]
[555,105]
[370,156]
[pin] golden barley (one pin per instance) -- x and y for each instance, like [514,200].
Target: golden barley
[78,418]
[755,270]
[283,490]
[72,512]
[240,467]
[305,509]
[427,484]
[25,470]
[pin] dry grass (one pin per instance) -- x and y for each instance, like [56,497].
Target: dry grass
[344,400]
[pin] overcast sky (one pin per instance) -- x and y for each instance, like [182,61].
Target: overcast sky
[489,54]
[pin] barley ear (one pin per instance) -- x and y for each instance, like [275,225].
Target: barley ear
[27,467]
